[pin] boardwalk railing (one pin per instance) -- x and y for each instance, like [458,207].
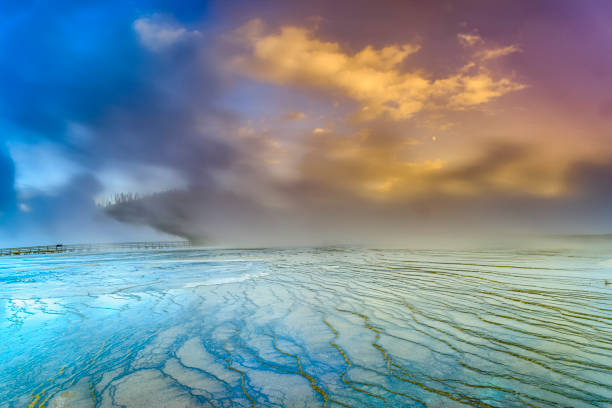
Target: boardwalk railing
[51,249]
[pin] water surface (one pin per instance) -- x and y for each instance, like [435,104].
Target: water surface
[330,327]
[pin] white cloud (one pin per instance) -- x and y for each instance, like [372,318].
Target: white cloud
[43,166]
[23,207]
[157,33]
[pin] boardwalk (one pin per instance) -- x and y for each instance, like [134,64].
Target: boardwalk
[52,249]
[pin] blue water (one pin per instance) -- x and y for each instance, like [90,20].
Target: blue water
[307,328]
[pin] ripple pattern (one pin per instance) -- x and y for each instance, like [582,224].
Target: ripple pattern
[318,327]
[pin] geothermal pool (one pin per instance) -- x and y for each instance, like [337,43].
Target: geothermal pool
[331,327]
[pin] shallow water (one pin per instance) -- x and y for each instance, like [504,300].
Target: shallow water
[309,327]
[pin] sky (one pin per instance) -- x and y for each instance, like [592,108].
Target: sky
[292,122]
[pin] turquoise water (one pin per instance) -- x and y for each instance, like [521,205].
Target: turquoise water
[307,328]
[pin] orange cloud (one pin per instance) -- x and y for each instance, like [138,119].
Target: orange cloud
[372,77]
[296,115]
[498,52]
[463,91]
[469,40]
[379,165]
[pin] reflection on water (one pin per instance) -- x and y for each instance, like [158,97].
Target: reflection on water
[311,327]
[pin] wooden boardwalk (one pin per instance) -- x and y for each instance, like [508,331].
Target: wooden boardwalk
[53,249]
